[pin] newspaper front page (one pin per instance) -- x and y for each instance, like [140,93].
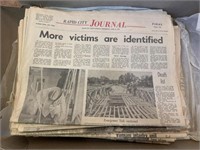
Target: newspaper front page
[96,68]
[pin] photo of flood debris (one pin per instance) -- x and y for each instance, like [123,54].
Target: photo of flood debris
[120,94]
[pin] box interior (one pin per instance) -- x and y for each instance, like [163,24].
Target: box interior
[9,22]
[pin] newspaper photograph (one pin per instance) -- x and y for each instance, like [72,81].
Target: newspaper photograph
[51,96]
[120,94]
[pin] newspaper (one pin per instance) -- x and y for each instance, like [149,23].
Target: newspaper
[91,71]
[82,71]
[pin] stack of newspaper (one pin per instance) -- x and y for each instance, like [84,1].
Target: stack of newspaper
[99,74]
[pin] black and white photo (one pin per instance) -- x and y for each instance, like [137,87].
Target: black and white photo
[51,96]
[120,94]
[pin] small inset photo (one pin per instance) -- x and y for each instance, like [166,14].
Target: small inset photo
[120,94]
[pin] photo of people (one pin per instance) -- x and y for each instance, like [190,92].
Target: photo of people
[120,94]
[51,96]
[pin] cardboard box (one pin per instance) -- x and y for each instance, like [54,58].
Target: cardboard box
[10,17]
